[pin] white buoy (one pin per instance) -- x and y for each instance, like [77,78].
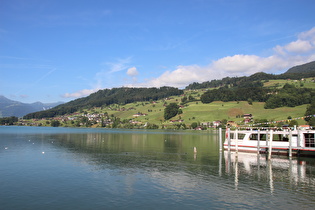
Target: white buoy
[195,150]
[43,152]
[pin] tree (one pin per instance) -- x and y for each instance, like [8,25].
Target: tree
[170,111]
[194,125]
[55,123]
[310,111]
[293,123]
[184,99]
[250,101]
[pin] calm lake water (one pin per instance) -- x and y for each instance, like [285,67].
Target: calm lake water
[71,168]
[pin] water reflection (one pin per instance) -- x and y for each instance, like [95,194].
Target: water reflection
[298,171]
[143,169]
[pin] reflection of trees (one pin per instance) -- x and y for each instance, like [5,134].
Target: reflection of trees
[153,151]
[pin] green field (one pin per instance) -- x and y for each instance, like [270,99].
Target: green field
[202,113]
[306,83]
[199,112]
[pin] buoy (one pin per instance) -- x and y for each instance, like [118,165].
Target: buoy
[43,152]
[195,150]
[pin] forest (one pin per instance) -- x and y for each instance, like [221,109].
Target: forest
[288,95]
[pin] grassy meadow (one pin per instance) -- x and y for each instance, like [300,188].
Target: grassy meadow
[196,111]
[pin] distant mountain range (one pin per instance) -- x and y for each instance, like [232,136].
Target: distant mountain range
[10,108]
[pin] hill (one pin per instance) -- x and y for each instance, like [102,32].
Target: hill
[295,73]
[230,98]
[10,108]
[107,97]
[304,68]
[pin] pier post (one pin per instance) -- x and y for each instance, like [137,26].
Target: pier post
[229,140]
[298,138]
[236,142]
[220,138]
[290,143]
[270,144]
[258,141]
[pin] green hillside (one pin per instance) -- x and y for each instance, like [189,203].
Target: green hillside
[304,68]
[193,112]
[267,97]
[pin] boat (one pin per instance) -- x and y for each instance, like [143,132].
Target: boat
[274,141]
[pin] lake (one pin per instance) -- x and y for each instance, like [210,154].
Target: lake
[83,168]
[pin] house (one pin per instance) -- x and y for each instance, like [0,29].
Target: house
[139,114]
[304,127]
[247,118]
[216,123]
[231,124]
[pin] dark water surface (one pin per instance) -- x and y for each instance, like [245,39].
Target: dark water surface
[70,168]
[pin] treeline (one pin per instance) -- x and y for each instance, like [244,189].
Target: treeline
[232,81]
[8,120]
[107,97]
[244,81]
[288,95]
[235,94]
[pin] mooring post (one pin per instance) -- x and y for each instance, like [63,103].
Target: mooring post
[290,143]
[298,138]
[229,139]
[270,144]
[236,142]
[220,138]
[258,141]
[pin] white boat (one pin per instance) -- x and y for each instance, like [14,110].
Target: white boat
[282,142]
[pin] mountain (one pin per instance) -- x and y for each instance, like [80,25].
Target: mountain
[295,73]
[107,97]
[304,68]
[10,108]
[230,89]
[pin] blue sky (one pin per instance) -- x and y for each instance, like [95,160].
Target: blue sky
[53,50]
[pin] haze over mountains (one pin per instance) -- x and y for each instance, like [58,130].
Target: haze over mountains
[15,108]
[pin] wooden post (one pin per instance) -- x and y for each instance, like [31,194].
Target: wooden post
[270,144]
[290,143]
[220,138]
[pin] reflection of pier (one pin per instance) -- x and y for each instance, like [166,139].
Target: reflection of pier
[293,171]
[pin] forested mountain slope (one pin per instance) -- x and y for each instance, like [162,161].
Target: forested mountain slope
[294,73]
[107,97]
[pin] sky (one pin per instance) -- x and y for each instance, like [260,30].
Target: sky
[60,50]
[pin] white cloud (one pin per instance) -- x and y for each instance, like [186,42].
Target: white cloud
[297,52]
[294,53]
[120,65]
[80,93]
[103,77]
[132,71]
[298,46]
[310,34]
